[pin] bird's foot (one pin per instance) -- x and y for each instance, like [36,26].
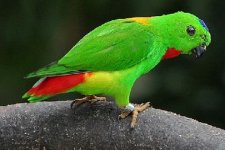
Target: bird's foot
[91,99]
[134,110]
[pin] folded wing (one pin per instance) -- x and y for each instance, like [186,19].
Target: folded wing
[116,45]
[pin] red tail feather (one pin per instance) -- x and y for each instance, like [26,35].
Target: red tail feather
[57,84]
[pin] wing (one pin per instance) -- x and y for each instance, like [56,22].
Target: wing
[116,45]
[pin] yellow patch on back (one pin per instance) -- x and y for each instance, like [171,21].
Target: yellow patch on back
[141,20]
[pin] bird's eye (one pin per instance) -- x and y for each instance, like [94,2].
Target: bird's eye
[191,30]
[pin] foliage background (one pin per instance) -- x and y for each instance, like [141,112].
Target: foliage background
[35,33]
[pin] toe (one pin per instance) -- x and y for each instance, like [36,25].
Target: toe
[142,106]
[134,118]
[101,98]
[124,114]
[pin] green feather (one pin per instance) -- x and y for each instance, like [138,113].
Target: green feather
[52,69]
[119,43]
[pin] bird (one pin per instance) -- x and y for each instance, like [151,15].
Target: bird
[109,59]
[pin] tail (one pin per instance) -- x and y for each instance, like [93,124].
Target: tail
[50,86]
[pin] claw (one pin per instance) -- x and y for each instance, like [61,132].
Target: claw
[71,105]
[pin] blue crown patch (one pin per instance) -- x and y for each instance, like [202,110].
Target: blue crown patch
[203,24]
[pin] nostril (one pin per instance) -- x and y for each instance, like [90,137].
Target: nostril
[203,36]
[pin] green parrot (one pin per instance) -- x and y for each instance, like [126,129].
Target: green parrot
[109,59]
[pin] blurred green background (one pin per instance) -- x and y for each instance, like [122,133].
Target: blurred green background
[38,32]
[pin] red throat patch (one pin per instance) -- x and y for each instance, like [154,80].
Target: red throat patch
[171,53]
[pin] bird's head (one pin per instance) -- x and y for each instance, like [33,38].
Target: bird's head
[185,32]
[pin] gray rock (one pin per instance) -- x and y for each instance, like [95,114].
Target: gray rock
[54,126]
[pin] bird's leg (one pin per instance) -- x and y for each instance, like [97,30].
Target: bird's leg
[134,110]
[91,99]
